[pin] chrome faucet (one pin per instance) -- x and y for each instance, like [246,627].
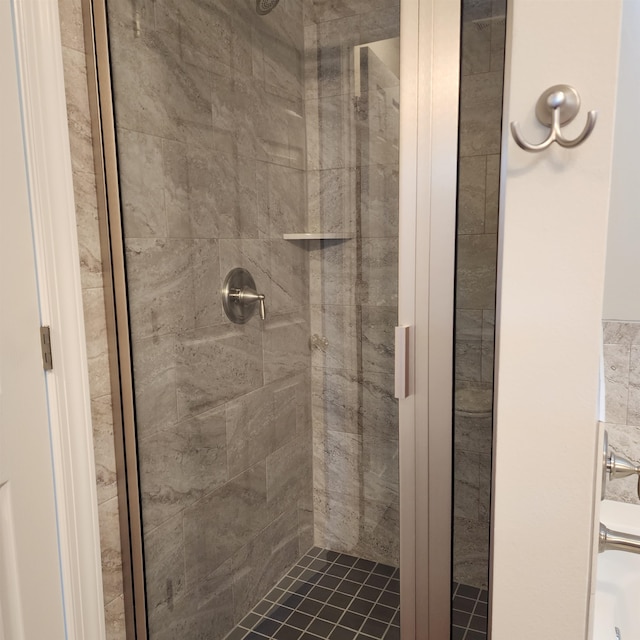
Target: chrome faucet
[610,540]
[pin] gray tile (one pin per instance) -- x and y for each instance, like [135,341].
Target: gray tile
[476,272]
[250,422]
[492,204]
[498,37]
[287,398]
[286,200]
[142,184]
[103,448]
[330,133]
[334,272]
[288,474]
[473,434]
[339,325]
[468,360]
[471,552]
[207,283]
[466,485]
[260,564]
[633,410]
[379,200]
[337,461]
[71,30]
[473,399]
[114,619]
[84,190]
[290,276]
[485,488]
[165,579]
[336,399]
[160,285]
[379,285]
[224,521]
[110,549]
[379,406]
[95,326]
[181,464]
[380,24]
[331,196]
[377,339]
[476,48]
[154,374]
[469,325]
[616,373]
[217,364]
[286,346]
[380,465]
[480,129]
[471,195]
[626,333]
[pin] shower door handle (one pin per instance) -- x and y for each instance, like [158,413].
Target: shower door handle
[402,362]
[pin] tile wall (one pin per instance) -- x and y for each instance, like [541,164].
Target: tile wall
[352,187]
[483,34]
[84,184]
[210,126]
[621,352]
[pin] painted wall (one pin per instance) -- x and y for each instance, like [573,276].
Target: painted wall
[554,208]
[622,285]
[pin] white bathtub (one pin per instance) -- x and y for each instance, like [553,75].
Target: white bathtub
[617,601]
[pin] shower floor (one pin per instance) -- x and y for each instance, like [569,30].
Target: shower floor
[469,613]
[328,595]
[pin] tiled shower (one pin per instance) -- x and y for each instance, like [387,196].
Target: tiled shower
[261,441]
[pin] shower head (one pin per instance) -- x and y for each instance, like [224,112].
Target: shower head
[265,6]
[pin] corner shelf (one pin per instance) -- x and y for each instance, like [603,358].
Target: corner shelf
[317,236]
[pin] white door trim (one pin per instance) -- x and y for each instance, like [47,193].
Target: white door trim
[44,113]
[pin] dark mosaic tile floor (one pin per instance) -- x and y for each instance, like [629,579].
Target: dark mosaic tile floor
[328,595]
[469,614]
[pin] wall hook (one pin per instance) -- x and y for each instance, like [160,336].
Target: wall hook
[557,106]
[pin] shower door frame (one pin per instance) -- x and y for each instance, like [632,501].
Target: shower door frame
[429,96]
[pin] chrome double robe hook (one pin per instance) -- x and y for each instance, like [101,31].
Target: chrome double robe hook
[557,106]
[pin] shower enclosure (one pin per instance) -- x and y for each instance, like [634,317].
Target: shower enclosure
[252,152]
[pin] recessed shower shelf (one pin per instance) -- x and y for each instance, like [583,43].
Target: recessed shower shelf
[317,236]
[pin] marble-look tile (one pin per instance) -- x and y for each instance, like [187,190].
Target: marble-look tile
[378,405]
[224,521]
[207,283]
[379,201]
[335,59]
[476,272]
[488,357]
[473,434]
[78,114]
[160,286]
[468,360]
[103,448]
[133,16]
[379,284]
[202,27]
[217,364]
[378,123]
[625,441]
[290,276]
[337,461]
[484,488]
[165,579]
[480,129]
[469,325]
[471,552]
[337,521]
[84,189]
[71,25]
[172,98]
[288,475]
[154,375]
[473,399]
[339,325]
[285,200]
[250,422]
[330,133]
[334,272]
[626,333]
[311,62]
[492,203]
[476,48]
[481,90]
[324,10]
[336,398]
[260,564]
[377,339]
[209,194]
[95,326]
[286,346]
[380,24]
[498,37]
[476,10]
[306,533]
[203,612]
[616,374]
[287,398]
[110,549]
[181,464]
[472,179]
[114,619]
[331,196]
[633,409]
[142,185]
[466,485]
[380,533]
[380,466]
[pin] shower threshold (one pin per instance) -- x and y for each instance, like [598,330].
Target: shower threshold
[328,595]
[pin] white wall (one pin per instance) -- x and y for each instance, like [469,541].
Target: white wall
[552,256]
[622,284]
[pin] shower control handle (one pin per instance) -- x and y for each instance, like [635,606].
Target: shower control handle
[616,466]
[247,295]
[240,297]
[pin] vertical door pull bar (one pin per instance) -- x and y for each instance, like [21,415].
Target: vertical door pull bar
[402,362]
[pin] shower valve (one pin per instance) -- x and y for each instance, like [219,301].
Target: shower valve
[239,297]
[616,466]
